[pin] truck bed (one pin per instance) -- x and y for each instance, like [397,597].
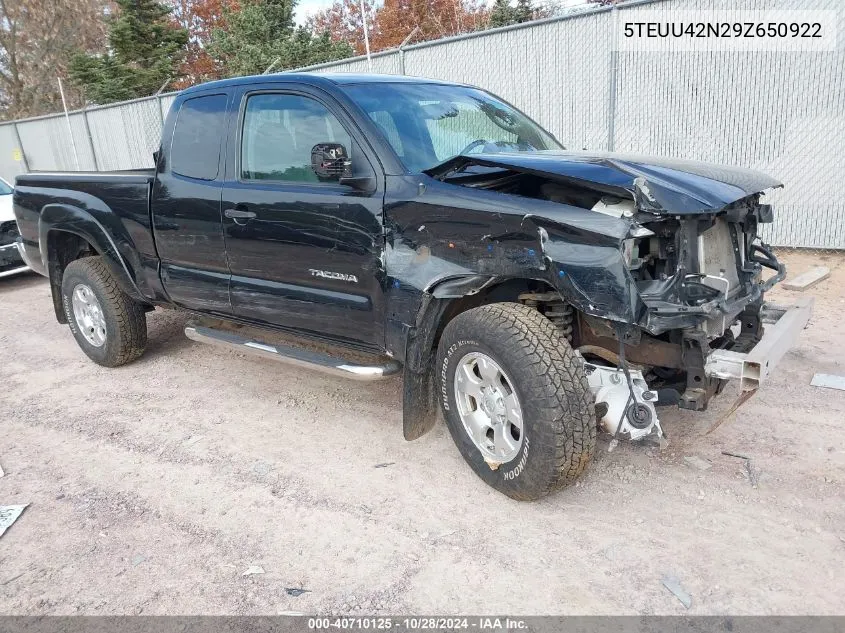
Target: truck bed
[117,201]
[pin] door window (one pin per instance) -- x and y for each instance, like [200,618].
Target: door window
[278,133]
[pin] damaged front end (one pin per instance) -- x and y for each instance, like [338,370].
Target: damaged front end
[661,261]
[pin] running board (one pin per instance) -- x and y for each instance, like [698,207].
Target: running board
[296,356]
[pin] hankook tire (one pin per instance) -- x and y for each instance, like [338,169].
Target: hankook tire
[515,399]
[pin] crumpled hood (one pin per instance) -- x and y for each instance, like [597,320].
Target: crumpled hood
[658,185]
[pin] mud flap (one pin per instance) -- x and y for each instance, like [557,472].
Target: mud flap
[419,403]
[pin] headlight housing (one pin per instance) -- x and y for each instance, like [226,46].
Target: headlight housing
[631,246]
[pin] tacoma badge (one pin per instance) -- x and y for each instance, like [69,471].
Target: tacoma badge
[326,274]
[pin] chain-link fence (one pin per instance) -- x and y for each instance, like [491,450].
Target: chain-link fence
[104,138]
[780,112]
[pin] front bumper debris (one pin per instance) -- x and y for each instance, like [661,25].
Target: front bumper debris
[628,410]
[11,262]
[752,368]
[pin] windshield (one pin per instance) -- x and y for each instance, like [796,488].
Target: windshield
[5,189]
[427,124]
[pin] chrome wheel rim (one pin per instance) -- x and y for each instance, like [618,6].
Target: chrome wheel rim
[489,407]
[88,315]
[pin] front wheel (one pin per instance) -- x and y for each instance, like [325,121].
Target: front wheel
[515,399]
[109,325]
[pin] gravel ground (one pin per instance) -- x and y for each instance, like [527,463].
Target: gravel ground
[153,487]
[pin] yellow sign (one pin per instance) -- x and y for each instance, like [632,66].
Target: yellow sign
[16,155]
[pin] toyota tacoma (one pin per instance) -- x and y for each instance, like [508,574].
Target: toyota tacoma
[371,225]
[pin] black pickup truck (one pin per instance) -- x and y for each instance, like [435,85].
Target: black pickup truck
[373,225]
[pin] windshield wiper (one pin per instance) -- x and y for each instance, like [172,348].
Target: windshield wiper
[448,167]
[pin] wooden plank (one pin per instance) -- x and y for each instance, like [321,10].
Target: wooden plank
[808,279]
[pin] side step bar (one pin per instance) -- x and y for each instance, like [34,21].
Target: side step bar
[294,355]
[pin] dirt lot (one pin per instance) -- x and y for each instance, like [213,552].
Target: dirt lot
[154,486]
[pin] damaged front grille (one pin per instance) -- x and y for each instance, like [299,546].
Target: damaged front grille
[8,232]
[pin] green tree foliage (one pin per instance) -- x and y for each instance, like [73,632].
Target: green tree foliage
[504,14]
[525,11]
[145,50]
[262,33]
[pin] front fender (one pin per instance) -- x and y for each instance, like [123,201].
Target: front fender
[441,231]
[456,287]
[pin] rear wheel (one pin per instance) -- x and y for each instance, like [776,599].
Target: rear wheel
[515,399]
[109,326]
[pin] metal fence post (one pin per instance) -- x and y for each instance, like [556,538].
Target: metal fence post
[69,127]
[160,113]
[402,49]
[20,145]
[90,139]
[614,64]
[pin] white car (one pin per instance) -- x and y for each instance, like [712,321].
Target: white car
[10,259]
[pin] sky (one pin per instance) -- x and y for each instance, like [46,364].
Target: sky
[306,8]
[309,7]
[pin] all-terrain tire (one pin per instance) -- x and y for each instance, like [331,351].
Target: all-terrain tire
[558,418]
[125,319]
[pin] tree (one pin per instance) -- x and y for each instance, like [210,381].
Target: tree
[262,33]
[343,22]
[199,18]
[145,50]
[36,40]
[525,11]
[396,19]
[504,14]
[392,22]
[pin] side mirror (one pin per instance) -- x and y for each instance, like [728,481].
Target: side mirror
[330,161]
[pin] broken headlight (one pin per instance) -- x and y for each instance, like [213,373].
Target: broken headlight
[631,246]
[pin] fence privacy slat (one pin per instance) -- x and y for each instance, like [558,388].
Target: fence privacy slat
[780,112]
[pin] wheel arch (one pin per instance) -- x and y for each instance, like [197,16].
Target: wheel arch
[67,233]
[465,293]
[442,302]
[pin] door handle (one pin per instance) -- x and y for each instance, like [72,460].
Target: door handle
[239,214]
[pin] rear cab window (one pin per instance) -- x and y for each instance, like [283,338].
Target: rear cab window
[195,147]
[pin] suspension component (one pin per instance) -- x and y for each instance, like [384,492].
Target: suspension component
[562,315]
[555,309]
